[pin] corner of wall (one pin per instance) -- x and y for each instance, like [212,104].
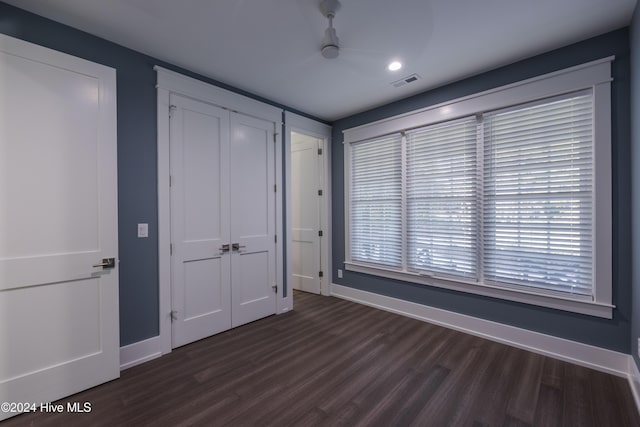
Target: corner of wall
[140,352]
[634,35]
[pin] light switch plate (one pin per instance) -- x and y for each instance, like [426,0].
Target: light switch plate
[143,230]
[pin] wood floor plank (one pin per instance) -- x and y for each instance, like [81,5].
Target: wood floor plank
[576,402]
[355,388]
[477,376]
[445,402]
[553,373]
[344,362]
[523,401]
[390,403]
[332,362]
[413,403]
[549,408]
[346,416]
[489,409]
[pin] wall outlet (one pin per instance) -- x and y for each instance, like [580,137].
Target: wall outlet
[143,230]
[340,277]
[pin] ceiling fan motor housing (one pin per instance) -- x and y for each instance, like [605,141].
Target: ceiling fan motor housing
[330,44]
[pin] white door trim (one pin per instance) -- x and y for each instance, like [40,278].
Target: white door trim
[295,122]
[171,82]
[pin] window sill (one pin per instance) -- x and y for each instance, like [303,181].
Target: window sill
[573,304]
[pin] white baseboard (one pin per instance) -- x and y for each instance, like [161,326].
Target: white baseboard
[609,361]
[140,352]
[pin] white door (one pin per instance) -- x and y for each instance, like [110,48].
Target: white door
[58,218]
[223,262]
[200,264]
[306,204]
[253,224]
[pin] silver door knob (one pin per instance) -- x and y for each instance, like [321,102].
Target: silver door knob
[106,263]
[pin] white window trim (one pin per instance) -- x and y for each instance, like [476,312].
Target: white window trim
[595,75]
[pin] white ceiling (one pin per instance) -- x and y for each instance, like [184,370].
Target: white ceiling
[272,47]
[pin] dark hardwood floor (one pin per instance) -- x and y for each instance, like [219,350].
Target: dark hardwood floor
[335,363]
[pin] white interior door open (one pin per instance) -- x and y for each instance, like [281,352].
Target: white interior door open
[306,183]
[200,265]
[59,329]
[252,203]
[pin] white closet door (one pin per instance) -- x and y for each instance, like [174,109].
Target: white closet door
[200,265]
[305,183]
[58,218]
[252,204]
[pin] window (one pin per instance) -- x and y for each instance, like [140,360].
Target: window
[441,199]
[499,199]
[376,200]
[538,195]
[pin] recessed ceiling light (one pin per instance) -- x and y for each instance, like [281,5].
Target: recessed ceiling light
[394,66]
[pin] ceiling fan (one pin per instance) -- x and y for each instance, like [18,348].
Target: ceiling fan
[330,44]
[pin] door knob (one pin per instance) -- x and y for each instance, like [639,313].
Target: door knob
[106,263]
[237,246]
[224,248]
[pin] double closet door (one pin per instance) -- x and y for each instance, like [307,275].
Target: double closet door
[223,260]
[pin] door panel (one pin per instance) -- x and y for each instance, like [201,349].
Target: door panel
[58,217]
[77,299]
[201,298]
[36,171]
[254,265]
[305,174]
[252,203]
[200,270]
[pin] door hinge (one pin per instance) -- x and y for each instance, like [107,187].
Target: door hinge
[275,238]
[320,274]
[174,315]
[172,108]
[275,288]
[275,188]
[275,136]
[170,180]
[319,151]
[319,192]
[320,233]
[170,248]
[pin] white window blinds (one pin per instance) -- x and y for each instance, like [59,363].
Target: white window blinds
[538,174]
[441,199]
[506,193]
[376,201]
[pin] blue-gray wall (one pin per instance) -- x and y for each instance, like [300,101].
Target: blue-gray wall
[635,181]
[137,162]
[612,334]
[137,184]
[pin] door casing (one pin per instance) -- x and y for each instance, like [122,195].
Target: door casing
[169,82]
[297,123]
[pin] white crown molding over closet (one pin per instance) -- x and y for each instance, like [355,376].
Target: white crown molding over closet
[174,84]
